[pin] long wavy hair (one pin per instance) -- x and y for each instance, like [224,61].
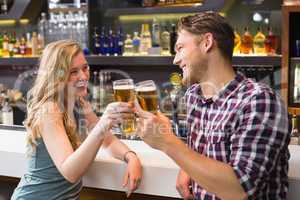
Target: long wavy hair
[51,86]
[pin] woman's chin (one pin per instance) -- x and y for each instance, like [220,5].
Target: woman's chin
[82,93]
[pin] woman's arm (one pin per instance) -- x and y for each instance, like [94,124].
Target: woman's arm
[133,174]
[73,164]
[60,149]
[118,150]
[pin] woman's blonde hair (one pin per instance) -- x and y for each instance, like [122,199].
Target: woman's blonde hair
[51,87]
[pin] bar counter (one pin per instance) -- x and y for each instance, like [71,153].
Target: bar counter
[159,171]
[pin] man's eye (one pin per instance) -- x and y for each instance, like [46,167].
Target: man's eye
[85,68]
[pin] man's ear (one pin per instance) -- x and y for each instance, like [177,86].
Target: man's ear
[208,41]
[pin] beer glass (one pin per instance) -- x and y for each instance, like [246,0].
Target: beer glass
[147,96]
[124,92]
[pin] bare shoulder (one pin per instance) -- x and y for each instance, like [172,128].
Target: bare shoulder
[50,115]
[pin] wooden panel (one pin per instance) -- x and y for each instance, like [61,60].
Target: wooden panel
[7,185]
[285,61]
[294,111]
[285,55]
[96,194]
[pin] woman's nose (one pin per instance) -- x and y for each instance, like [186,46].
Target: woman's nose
[83,74]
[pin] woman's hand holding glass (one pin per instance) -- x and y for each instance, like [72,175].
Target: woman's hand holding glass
[115,113]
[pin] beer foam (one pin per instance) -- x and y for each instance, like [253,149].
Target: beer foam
[123,87]
[146,88]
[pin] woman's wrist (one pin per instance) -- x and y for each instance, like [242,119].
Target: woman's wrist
[99,131]
[128,155]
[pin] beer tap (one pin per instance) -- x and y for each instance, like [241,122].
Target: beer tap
[175,79]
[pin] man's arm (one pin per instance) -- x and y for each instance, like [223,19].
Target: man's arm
[263,122]
[214,176]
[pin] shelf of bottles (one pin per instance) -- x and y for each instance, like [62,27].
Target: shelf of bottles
[71,25]
[161,7]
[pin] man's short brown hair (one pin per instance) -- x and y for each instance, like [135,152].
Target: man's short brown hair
[214,23]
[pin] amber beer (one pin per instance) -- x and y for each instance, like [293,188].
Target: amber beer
[147,96]
[124,92]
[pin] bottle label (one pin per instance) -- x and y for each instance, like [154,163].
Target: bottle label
[136,42]
[5,45]
[10,47]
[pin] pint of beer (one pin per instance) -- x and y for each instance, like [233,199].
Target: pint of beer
[147,96]
[124,92]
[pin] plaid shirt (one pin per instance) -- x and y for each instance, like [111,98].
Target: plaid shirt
[245,125]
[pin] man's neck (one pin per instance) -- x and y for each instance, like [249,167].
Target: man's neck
[219,74]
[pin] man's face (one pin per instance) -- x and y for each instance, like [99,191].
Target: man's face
[191,57]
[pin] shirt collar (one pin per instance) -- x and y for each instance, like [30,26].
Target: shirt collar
[195,90]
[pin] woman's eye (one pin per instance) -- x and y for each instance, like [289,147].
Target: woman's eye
[73,72]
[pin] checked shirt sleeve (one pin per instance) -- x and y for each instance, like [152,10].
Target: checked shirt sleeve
[261,134]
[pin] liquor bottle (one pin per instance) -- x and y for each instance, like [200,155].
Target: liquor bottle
[96,37]
[7,113]
[297,84]
[1,45]
[161,2]
[246,42]
[110,42]
[105,43]
[118,43]
[148,3]
[28,50]
[170,2]
[95,92]
[5,51]
[41,44]
[271,42]
[165,42]
[11,43]
[146,42]
[23,46]
[136,41]
[43,27]
[173,39]
[259,43]
[34,43]
[237,43]
[16,49]
[155,33]
[295,131]
[128,46]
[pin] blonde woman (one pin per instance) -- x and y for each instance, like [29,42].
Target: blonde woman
[57,112]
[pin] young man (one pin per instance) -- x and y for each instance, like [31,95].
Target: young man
[238,129]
